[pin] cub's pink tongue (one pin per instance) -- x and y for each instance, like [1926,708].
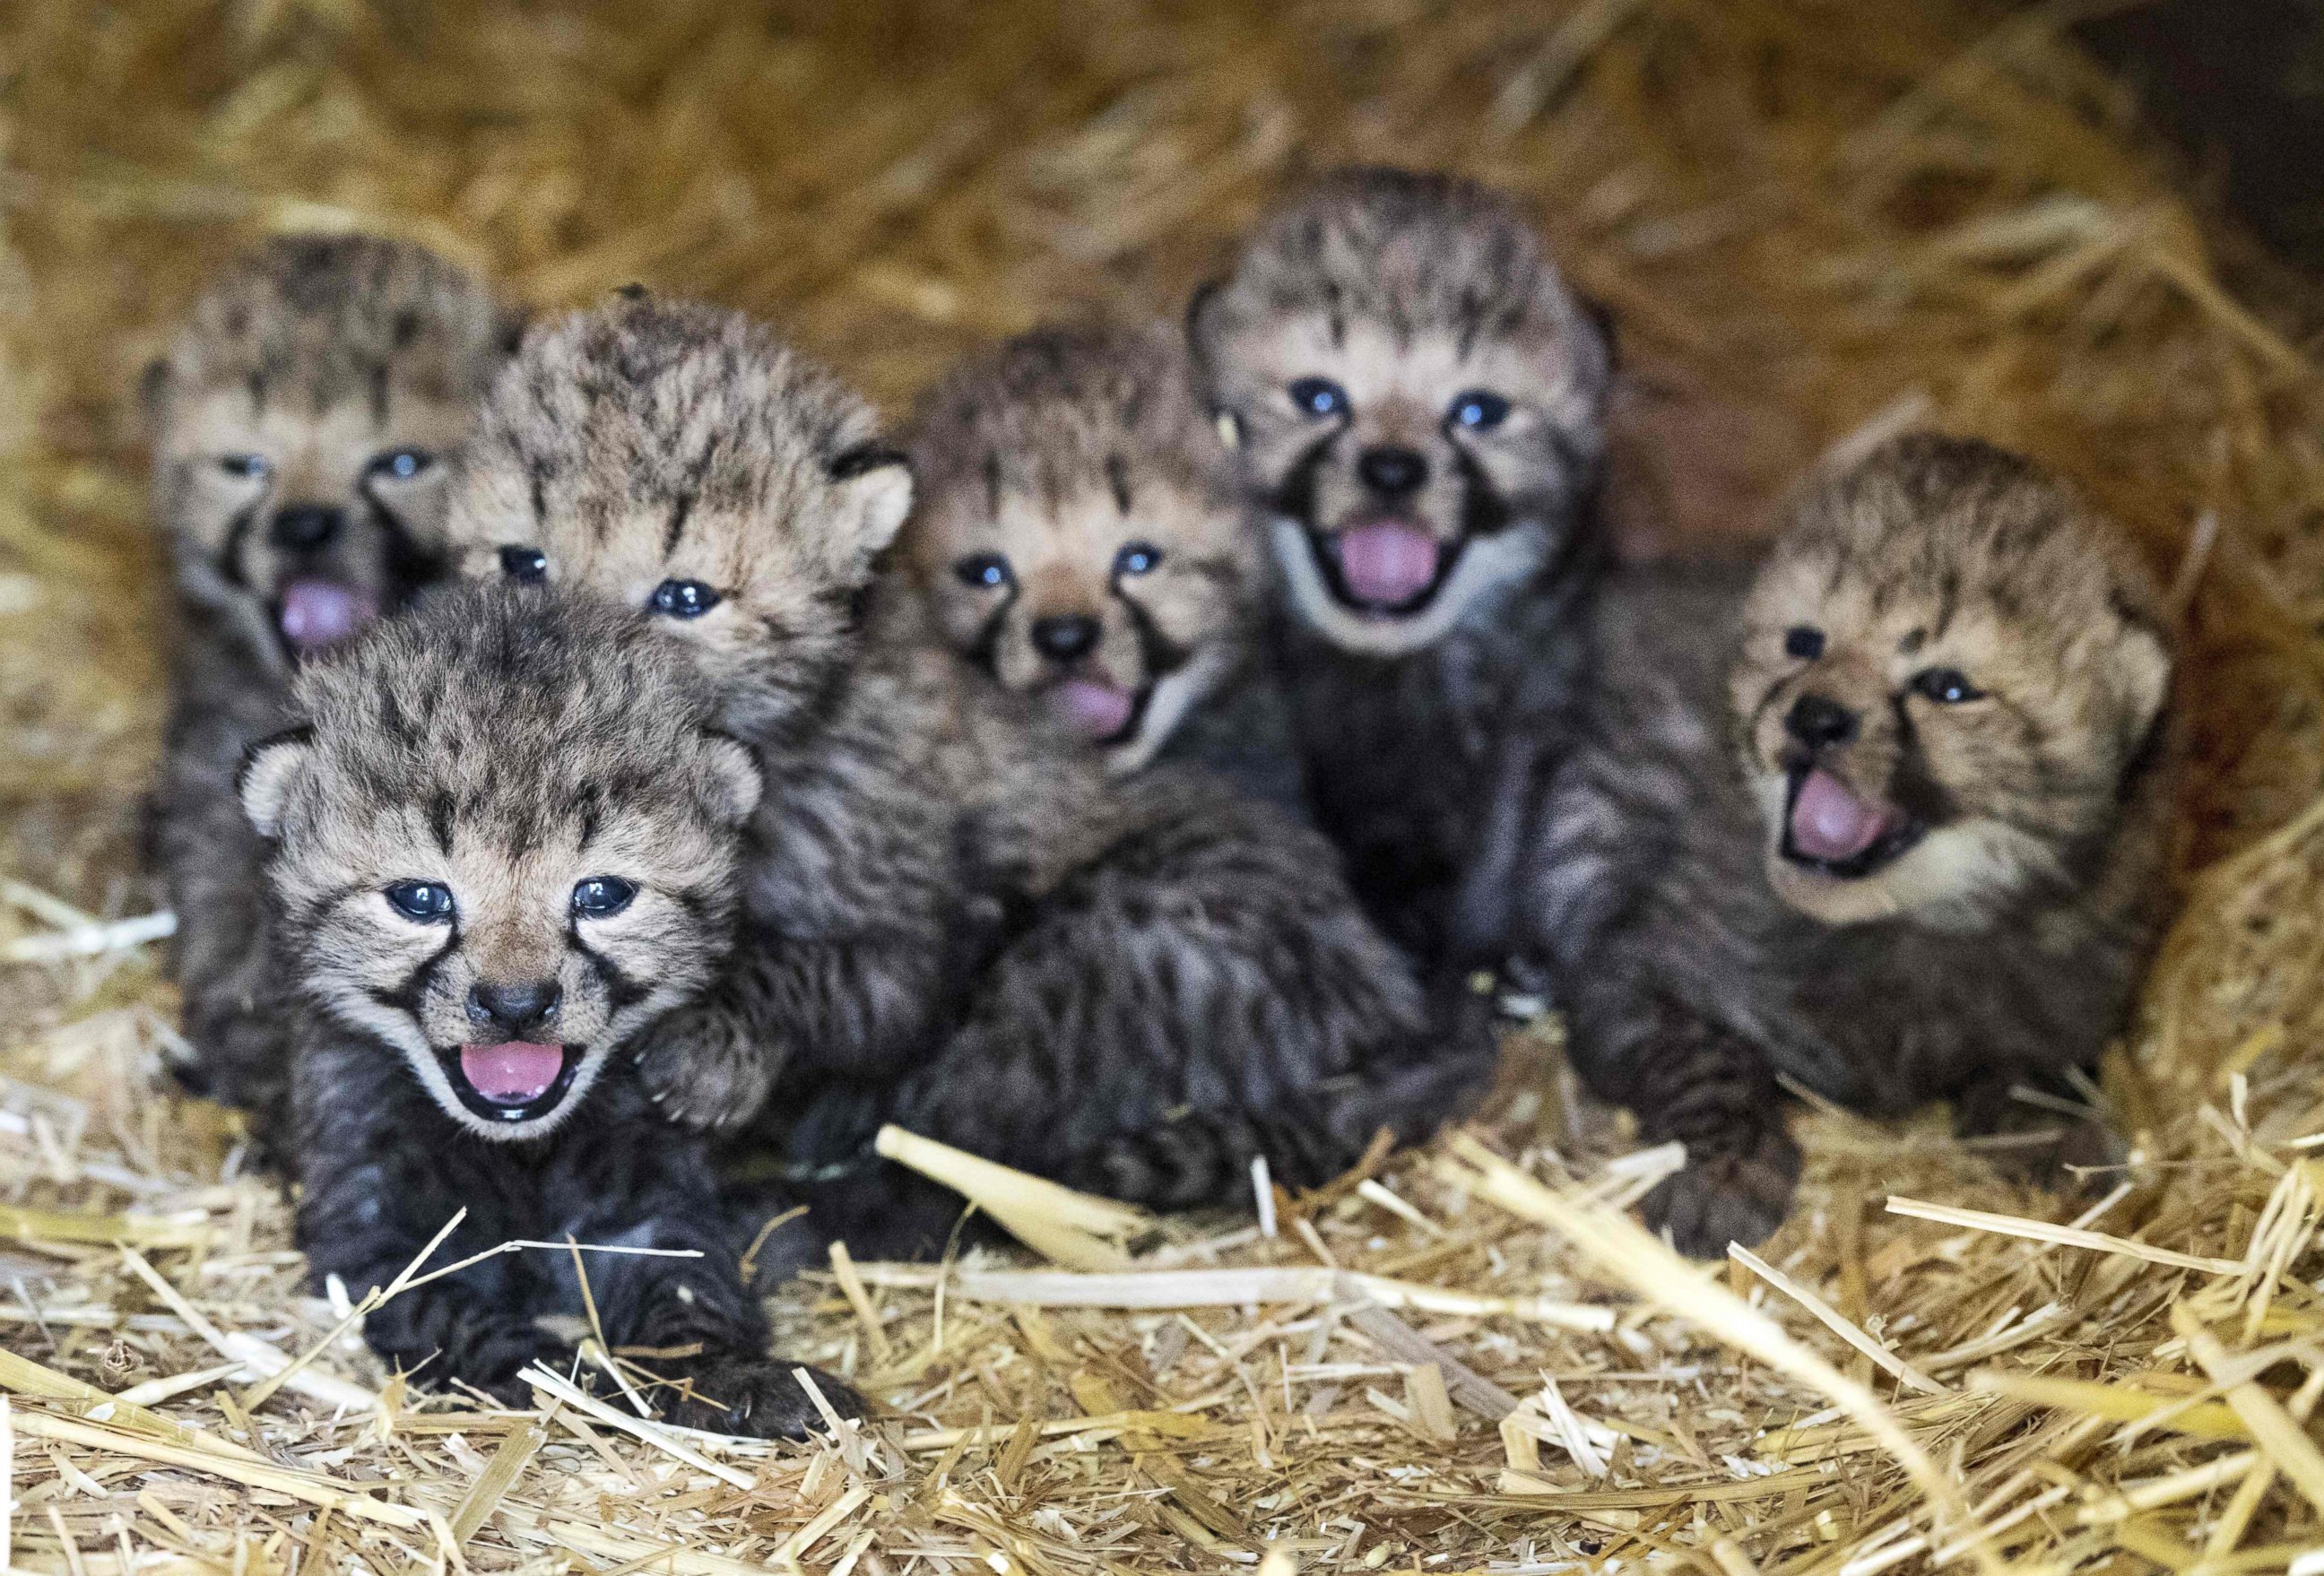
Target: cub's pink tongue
[512,1073]
[1385,564]
[317,613]
[1830,822]
[1098,710]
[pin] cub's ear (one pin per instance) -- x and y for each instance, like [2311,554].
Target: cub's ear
[268,769]
[737,782]
[877,480]
[2142,673]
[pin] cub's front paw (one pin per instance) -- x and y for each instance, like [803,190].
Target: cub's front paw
[703,1069]
[759,1398]
[1731,1195]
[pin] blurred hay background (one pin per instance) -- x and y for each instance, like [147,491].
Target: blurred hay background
[1805,216]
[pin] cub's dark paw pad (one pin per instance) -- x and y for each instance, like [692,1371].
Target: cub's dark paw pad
[756,1396]
[703,1070]
[1728,1196]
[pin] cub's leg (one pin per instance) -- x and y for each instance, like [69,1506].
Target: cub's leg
[382,1173]
[1690,1079]
[862,1005]
[211,864]
[636,1182]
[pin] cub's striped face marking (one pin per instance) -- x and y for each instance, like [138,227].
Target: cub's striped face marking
[1077,536]
[1949,671]
[1412,397]
[301,428]
[504,874]
[1123,618]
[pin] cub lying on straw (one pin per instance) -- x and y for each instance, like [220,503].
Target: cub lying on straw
[505,841]
[1888,821]
[955,921]
[301,423]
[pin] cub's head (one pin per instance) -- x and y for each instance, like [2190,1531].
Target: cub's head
[1952,676]
[1075,534]
[682,461]
[301,423]
[1415,398]
[506,840]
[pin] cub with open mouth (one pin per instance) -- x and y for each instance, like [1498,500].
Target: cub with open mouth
[1415,402]
[1940,864]
[301,422]
[505,841]
[957,918]
[1077,535]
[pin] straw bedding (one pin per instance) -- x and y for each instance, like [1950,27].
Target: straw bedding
[1807,217]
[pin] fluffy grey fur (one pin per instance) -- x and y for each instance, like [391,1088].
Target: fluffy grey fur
[933,845]
[301,423]
[506,828]
[1418,404]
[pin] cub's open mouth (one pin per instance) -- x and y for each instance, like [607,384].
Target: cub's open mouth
[313,614]
[1100,711]
[516,1081]
[1834,831]
[1386,565]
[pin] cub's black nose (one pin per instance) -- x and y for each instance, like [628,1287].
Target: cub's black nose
[305,526]
[1065,636]
[515,1009]
[1817,721]
[1391,471]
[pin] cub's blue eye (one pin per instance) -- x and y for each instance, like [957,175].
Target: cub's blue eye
[401,465]
[424,901]
[1137,558]
[600,897]
[1319,397]
[1478,411]
[249,467]
[1945,685]
[683,598]
[1804,641]
[529,564]
[985,571]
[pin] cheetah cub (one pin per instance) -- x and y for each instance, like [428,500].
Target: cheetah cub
[956,920]
[1886,819]
[301,422]
[506,839]
[1076,535]
[1416,403]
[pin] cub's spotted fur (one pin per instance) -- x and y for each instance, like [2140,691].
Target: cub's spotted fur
[949,904]
[505,841]
[1417,403]
[1888,820]
[1077,538]
[301,423]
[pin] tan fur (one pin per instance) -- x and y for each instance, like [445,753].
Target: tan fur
[1928,557]
[1048,462]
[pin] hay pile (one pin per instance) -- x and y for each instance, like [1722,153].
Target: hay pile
[1806,215]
